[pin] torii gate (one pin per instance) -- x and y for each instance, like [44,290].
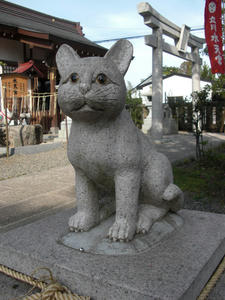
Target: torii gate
[182,38]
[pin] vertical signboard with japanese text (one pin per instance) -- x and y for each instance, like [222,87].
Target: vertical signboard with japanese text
[213,35]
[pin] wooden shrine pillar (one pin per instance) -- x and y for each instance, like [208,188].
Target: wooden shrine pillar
[53,102]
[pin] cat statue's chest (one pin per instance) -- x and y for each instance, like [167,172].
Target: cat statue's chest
[87,144]
[102,151]
[92,151]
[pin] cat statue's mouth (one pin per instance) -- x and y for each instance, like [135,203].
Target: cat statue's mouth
[86,108]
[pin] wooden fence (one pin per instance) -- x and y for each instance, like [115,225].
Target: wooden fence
[213,118]
[40,111]
[38,106]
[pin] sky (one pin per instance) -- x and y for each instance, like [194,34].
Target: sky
[103,20]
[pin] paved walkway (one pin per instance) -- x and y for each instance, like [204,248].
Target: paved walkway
[27,198]
[180,146]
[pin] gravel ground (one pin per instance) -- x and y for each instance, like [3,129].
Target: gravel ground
[22,164]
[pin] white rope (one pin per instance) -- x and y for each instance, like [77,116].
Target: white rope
[51,291]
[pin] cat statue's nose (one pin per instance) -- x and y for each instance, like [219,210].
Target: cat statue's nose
[84,88]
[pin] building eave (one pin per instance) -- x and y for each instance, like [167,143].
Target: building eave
[22,18]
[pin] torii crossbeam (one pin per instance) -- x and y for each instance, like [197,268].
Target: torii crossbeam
[182,38]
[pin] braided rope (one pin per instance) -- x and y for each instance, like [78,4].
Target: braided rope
[56,291]
[212,281]
[22,277]
[51,291]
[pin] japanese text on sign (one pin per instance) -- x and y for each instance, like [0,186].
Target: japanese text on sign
[213,35]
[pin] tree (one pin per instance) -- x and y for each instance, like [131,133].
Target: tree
[200,100]
[186,68]
[170,70]
[135,107]
[206,73]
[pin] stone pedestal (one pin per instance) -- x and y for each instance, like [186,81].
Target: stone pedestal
[54,130]
[177,267]
[170,126]
[62,131]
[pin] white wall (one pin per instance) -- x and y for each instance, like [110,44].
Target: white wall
[174,86]
[179,86]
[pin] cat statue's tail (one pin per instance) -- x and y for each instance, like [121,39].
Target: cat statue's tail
[175,196]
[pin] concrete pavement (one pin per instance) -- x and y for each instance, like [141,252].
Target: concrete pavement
[26,198]
[181,146]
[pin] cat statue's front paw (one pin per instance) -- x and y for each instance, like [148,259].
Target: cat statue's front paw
[122,230]
[82,221]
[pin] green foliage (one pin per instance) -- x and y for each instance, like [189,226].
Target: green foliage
[182,112]
[206,73]
[135,107]
[170,70]
[186,68]
[188,178]
[214,158]
[217,81]
[200,100]
[218,86]
[203,178]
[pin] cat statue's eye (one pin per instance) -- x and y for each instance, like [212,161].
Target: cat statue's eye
[101,78]
[74,77]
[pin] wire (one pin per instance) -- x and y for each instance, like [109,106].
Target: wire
[197,29]
[136,36]
[116,39]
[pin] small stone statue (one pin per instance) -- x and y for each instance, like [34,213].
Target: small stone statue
[115,162]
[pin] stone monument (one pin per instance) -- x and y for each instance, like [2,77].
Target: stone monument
[117,168]
[170,125]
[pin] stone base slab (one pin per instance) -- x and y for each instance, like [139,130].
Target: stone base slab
[177,267]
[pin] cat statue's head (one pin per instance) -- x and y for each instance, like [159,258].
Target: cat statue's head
[93,87]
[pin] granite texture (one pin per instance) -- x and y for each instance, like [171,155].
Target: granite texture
[115,163]
[94,241]
[176,268]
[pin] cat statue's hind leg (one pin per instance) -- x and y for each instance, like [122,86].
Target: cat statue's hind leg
[159,195]
[149,214]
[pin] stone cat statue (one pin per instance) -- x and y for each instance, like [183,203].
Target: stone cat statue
[115,162]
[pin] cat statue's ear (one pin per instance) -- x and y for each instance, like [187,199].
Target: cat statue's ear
[121,53]
[65,57]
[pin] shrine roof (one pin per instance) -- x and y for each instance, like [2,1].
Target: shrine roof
[56,29]
[27,66]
